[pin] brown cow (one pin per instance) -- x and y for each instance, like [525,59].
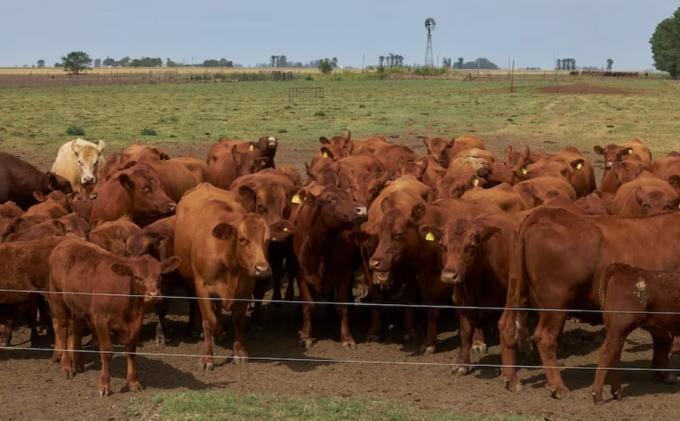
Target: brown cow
[443,150]
[647,195]
[223,250]
[337,147]
[24,268]
[10,210]
[125,285]
[596,203]
[54,205]
[539,190]
[569,163]
[113,236]
[622,172]
[49,228]
[560,261]
[668,168]
[617,153]
[637,293]
[137,192]
[229,159]
[322,239]
[19,179]
[475,260]
[501,195]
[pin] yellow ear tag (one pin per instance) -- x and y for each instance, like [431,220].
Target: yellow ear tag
[579,166]
[285,229]
[524,171]
[325,154]
[630,151]
[296,199]
[251,148]
[429,236]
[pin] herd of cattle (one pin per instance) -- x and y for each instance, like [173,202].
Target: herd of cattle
[103,238]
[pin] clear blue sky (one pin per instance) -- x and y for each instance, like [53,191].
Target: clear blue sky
[248,32]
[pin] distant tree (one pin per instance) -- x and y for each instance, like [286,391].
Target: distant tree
[558,64]
[481,63]
[226,63]
[282,62]
[459,63]
[446,62]
[41,63]
[97,62]
[274,60]
[170,63]
[108,61]
[666,45]
[57,64]
[610,64]
[147,62]
[327,65]
[381,61]
[76,61]
[124,62]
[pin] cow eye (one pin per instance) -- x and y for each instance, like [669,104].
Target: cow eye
[242,240]
[261,209]
[398,237]
[80,163]
[146,189]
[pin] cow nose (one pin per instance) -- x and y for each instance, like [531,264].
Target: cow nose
[88,179]
[608,165]
[449,276]
[374,263]
[172,206]
[360,210]
[263,270]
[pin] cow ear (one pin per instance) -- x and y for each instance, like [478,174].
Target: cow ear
[625,152]
[59,225]
[348,136]
[39,196]
[126,182]
[430,233]
[639,196]
[674,181]
[598,149]
[76,147]
[418,211]
[386,204]
[170,264]
[234,154]
[121,270]
[100,146]
[508,153]
[281,230]
[248,198]
[426,143]
[223,231]
[577,164]
[324,140]
[488,232]
[326,152]
[52,181]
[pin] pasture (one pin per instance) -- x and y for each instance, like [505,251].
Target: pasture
[189,118]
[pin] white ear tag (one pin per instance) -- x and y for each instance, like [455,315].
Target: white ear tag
[251,148]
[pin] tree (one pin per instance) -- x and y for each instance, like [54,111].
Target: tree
[41,63]
[124,62]
[381,61]
[327,65]
[610,64]
[108,61]
[76,61]
[666,45]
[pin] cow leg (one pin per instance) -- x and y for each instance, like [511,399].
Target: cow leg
[219,332]
[466,334]
[105,355]
[130,350]
[409,325]
[662,348]
[430,344]
[209,324]
[610,355]
[60,326]
[258,295]
[238,314]
[549,327]
[508,331]
[343,294]
[478,341]
[305,334]
[6,333]
[373,334]
[161,311]
[76,338]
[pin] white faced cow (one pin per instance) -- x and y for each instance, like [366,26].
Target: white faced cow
[77,161]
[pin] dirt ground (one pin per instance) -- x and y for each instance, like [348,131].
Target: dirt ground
[32,387]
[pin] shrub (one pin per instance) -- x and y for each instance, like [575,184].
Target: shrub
[75,131]
[149,132]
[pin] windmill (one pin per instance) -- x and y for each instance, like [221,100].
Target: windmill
[429,27]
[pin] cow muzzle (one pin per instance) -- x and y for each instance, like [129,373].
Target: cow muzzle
[381,278]
[262,271]
[170,207]
[450,276]
[152,296]
[88,180]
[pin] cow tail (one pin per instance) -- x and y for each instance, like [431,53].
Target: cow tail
[518,295]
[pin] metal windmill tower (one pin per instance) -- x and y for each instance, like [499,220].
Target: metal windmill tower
[429,27]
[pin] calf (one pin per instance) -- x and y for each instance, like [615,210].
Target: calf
[443,149]
[77,161]
[113,236]
[637,293]
[19,179]
[616,153]
[337,147]
[10,210]
[645,196]
[569,163]
[230,159]
[224,251]
[559,263]
[668,168]
[112,304]
[537,191]
[622,172]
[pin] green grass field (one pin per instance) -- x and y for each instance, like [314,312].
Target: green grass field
[36,118]
[219,405]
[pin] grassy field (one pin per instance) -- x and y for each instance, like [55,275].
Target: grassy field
[596,111]
[218,405]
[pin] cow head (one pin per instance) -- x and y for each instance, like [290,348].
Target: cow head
[272,203]
[622,172]
[248,162]
[459,241]
[652,201]
[54,182]
[336,147]
[335,207]
[613,153]
[75,224]
[145,274]
[152,243]
[414,167]
[267,146]
[454,185]
[88,156]
[436,146]
[146,191]
[394,231]
[363,186]
[248,238]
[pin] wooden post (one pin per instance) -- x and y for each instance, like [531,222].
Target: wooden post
[512,77]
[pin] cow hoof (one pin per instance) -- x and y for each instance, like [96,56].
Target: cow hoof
[559,393]
[79,368]
[616,395]
[208,366]
[307,343]
[104,392]
[135,387]
[512,386]
[461,370]
[160,340]
[428,350]
[349,344]
[479,348]
[409,337]
[372,338]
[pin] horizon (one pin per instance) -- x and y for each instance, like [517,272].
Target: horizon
[533,33]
